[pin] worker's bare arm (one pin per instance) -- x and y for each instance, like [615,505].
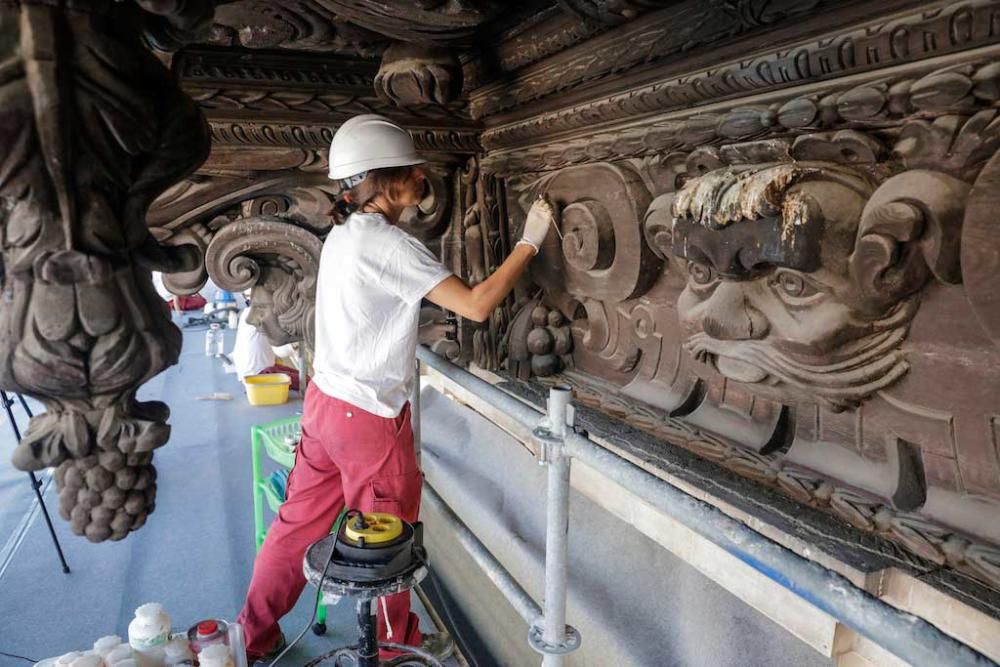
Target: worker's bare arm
[476,303]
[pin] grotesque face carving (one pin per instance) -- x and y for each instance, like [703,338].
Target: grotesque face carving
[795,285]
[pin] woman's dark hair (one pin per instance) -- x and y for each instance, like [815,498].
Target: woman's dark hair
[378,181]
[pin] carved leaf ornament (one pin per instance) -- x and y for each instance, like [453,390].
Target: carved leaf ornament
[601,251]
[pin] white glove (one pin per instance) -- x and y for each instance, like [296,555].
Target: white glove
[536,227]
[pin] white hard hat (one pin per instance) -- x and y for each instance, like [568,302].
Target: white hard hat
[369,142]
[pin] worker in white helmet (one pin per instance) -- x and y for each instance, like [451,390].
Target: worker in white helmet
[357,445]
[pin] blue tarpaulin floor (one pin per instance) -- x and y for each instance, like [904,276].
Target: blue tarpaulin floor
[194,555]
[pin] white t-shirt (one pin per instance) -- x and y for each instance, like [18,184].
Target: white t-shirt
[251,352]
[372,276]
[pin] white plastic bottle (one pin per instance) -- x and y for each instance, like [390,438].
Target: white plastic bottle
[220,341]
[148,634]
[209,341]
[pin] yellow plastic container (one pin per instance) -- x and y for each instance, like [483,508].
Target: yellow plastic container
[267,388]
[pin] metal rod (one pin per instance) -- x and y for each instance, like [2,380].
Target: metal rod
[556,527]
[415,411]
[35,484]
[526,416]
[902,634]
[368,633]
[505,583]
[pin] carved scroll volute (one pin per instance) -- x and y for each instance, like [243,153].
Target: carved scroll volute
[910,230]
[93,128]
[279,262]
[602,254]
[429,219]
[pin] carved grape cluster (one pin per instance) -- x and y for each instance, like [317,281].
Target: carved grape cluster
[107,495]
[548,341]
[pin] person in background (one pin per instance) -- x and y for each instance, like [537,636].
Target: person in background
[253,354]
[357,442]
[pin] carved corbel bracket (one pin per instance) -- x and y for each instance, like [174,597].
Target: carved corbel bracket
[413,75]
[279,262]
[95,129]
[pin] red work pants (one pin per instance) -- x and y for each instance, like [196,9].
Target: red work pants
[346,455]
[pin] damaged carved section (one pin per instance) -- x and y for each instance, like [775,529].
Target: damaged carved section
[88,147]
[765,306]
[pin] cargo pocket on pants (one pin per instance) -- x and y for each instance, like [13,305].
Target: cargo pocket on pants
[398,495]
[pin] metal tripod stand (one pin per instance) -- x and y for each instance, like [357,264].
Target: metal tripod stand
[36,485]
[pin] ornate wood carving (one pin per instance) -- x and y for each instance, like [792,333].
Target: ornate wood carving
[610,11]
[301,25]
[799,256]
[884,101]
[776,247]
[278,262]
[424,21]
[413,74]
[659,37]
[774,335]
[89,146]
[280,111]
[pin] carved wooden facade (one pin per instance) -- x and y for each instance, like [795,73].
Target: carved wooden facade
[777,248]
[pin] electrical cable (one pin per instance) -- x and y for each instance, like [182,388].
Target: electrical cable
[19,657]
[329,559]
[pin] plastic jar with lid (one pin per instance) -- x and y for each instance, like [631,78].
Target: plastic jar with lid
[206,633]
[150,628]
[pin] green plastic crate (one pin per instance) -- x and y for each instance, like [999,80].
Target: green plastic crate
[279,438]
[276,440]
[272,493]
